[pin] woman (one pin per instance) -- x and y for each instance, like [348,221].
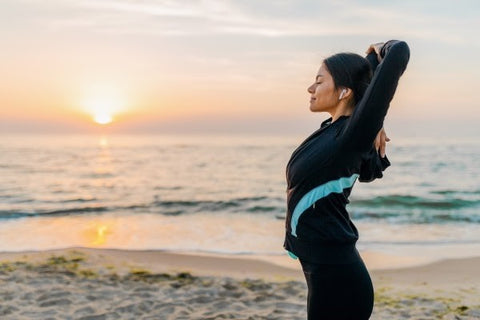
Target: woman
[322,170]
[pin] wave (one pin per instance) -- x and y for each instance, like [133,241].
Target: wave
[79,200]
[417,217]
[408,201]
[238,205]
[11,214]
[395,208]
[456,192]
[165,207]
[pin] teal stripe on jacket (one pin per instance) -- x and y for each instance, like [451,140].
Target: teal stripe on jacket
[318,193]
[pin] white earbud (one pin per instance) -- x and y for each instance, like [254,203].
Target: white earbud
[342,94]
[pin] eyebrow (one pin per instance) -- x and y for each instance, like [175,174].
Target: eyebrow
[318,75]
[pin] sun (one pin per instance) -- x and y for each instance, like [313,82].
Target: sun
[103,107]
[103,118]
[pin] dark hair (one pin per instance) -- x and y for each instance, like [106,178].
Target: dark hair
[350,70]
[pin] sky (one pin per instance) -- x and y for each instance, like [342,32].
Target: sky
[226,65]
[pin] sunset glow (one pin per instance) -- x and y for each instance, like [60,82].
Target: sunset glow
[185,68]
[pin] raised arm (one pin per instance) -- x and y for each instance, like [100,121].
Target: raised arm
[369,114]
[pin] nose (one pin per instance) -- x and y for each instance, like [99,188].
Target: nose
[311,89]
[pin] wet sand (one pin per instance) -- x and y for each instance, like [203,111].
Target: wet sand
[92,284]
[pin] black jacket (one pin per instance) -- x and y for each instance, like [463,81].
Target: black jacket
[323,169]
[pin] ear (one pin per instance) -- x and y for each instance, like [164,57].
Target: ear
[345,93]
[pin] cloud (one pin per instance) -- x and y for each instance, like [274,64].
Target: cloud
[442,21]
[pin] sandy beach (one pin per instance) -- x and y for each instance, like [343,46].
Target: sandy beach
[82,283]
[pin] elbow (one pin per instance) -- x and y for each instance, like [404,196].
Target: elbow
[404,49]
[400,52]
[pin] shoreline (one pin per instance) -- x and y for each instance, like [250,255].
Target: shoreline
[86,283]
[376,261]
[157,261]
[448,271]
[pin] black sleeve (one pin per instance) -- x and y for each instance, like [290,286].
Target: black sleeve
[372,59]
[372,166]
[369,113]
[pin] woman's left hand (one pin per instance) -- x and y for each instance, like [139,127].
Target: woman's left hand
[377,48]
[381,142]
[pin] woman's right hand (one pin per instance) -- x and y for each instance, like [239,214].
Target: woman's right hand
[377,48]
[381,142]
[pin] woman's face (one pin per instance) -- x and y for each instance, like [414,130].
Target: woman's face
[324,96]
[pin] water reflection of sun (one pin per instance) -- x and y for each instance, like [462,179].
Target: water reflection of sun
[97,234]
[103,142]
[101,233]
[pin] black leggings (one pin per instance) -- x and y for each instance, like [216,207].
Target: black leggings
[338,291]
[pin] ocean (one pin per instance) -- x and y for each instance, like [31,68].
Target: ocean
[224,195]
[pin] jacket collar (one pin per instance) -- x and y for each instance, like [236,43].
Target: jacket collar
[329,121]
